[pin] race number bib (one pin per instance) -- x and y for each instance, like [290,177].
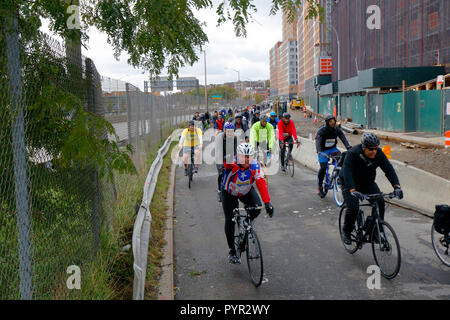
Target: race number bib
[330,143]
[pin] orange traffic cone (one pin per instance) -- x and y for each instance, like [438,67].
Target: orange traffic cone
[387,151]
[315,119]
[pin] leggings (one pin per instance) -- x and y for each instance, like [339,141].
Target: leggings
[352,204]
[229,203]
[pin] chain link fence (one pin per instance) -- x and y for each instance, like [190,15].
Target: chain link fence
[56,198]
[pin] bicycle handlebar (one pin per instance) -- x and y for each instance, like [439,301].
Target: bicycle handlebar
[379,195]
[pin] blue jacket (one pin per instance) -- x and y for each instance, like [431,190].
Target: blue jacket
[274,123]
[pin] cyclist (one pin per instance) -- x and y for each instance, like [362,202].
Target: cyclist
[326,141]
[207,116]
[286,133]
[191,138]
[197,114]
[239,122]
[237,184]
[226,145]
[262,133]
[358,178]
[273,120]
[218,125]
[214,117]
[255,117]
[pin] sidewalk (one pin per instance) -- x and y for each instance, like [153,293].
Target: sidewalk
[421,138]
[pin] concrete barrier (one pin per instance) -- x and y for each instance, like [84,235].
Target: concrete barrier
[422,189]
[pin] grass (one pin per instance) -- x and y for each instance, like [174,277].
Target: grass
[158,210]
[110,276]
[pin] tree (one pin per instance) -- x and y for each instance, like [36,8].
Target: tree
[155,34]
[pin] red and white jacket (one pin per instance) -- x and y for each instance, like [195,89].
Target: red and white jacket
[238,182]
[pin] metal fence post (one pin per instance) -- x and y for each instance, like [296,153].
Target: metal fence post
[20,165]
[128,112]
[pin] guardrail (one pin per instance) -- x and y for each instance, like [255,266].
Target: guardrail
[141,230]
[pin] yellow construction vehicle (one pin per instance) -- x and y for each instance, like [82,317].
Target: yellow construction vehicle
[297,104]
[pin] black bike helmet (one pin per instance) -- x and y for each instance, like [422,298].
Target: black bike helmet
[239,115]
[264,118]
[192,123]
[369,139]
[286,115]
[329,118]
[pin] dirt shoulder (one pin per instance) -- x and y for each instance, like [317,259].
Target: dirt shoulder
[435,161]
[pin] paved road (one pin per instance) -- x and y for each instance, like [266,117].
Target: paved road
[303,255]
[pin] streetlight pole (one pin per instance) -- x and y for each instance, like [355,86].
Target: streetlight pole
[206,84]
[239,80]
[339,71]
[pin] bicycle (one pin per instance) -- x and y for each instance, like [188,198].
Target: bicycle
[288,160]
[246,240]
[263,157]
[374,231]
[190,169]
[333,181]
[440,237]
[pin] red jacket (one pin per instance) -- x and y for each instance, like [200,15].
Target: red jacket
[289,129]
[219,125]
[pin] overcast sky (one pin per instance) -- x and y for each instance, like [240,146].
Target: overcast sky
[249,55]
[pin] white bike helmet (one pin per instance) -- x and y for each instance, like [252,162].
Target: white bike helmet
[245,149]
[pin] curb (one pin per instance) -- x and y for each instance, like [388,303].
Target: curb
[166,284]
[398,140]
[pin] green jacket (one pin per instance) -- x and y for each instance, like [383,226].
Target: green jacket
[260,134]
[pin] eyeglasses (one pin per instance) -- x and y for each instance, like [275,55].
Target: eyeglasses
[373,149]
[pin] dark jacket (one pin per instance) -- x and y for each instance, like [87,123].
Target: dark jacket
[225,148]
[243,126]
[359,171]
[326,138]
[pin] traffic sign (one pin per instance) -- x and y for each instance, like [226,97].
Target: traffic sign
[217,97]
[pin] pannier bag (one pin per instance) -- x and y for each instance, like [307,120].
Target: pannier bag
[442,219]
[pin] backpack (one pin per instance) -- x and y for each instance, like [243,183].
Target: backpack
[442,219]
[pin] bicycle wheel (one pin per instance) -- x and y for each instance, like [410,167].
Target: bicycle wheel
[350,248]
[290,165]
[254,258]
[337,192]
[190,174]
[237,241]
[386,251]
[440,246]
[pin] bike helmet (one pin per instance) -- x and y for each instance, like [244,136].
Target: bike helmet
[329,118]
[192,123]
[245,149]
[273,114]
[286,115]
[202,115]
[239,116]
[264,118]
[229,126]
[369,139]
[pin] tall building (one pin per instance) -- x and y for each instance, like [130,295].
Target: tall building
[274,69]
[288,73]
[413,33]
[314,46]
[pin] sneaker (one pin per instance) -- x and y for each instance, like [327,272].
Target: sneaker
[219,195]
[195,169]
[233,258]
[346,237]
[321,193]
[283,168]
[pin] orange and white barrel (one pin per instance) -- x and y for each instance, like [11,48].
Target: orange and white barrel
[447,139]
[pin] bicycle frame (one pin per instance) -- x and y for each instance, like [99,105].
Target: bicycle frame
[330,181]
